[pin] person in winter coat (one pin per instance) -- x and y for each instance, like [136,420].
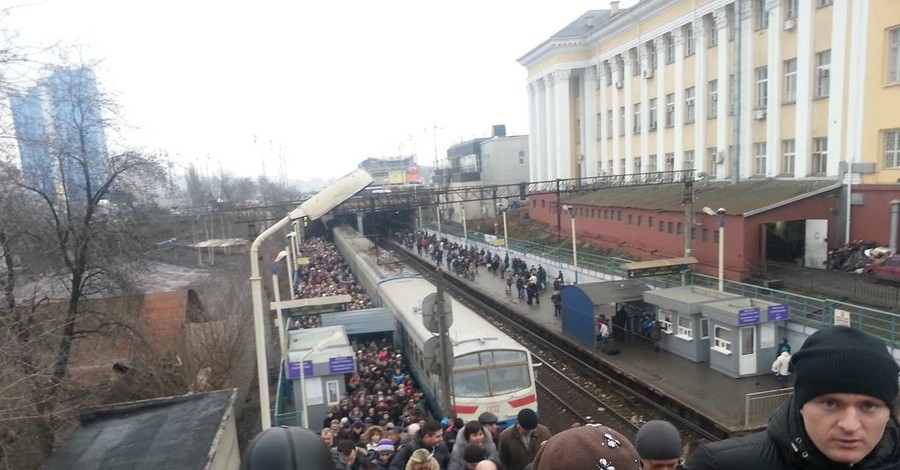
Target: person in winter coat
[473,433]
[841,415]
[519,444]
[430,439]
[381,458]
[781,368]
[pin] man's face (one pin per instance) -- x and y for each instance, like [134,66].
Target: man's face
[845,426]
[491,427]
[432,440]
[328,439]
[660,464]
[384,457]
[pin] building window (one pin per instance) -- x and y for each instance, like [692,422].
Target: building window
[609,165]
[609,122]
[823,73]
[712,36]
[722,339]
[790,81]
[689,104]
[521,157]
[894,56]
[825,3]
[670,48]
[670,226]
[791,9]
[630,219]
[706,234]
[619,216]
[652,114]
[665,320]
[712,159]
[820,156]
[652,166]
[679,229]
[762,87]
[608,69]
[759,159]
[670,162]
[662,227]
[622,120]
[688,159]
[788,155]
[760,14]
[650,222]
[651,53]
[605,213]
[635,63]
[688,31]
[620,76]
[637,168]
[713,99]
[892,149]
[599,125]
[670,110]
[693,233]
[684,327]
[640,220]
[636,123]
[622,168]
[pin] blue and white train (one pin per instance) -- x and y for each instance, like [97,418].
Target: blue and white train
[491,371]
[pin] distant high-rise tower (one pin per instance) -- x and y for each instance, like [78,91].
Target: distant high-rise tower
[59,126]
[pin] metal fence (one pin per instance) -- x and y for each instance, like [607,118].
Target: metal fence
[836,284]
[758,406]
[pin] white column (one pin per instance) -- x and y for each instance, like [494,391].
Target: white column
[723,70]
[549,165]
[540,143]
[629,102]
[660,102]
[562,124]
[678,133]
[532,131]
[773,110]
[644,57]
[840,15]
[604,107]
[616,104]
[805,82]
[700,95]
[589,143]
[747,85]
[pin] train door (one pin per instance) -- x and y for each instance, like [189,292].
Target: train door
[747,359]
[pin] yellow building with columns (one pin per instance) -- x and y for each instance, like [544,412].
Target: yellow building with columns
[736,89]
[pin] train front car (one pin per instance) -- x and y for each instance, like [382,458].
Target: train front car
[491,372]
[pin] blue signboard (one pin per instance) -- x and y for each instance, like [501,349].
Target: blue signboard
[337,365]
[779,312]
[294,369]
[748,316]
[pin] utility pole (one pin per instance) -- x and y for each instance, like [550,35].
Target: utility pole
[442,312]
[558,214]
[688,220]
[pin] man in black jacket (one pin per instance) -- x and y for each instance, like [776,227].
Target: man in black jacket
[431,438]
[841,415]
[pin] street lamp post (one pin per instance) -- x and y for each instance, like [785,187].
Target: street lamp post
[571,211]
[721,214]
[330,340]
[277,292]
[503,210]
[462,208]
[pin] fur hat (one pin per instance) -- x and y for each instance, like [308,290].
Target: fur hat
[592,446]
[844,360]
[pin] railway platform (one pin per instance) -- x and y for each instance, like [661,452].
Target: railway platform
[716,396]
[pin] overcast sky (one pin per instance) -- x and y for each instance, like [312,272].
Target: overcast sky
[325,84]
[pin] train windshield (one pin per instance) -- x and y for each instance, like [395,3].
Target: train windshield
[490,373]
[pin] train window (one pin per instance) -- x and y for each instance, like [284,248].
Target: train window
[509,379]
[465,362]
[509,357]
[472,383]
[486,358]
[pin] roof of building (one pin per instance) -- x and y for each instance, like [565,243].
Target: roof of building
[583,24]
[626,290]
[162,433]
[745,198]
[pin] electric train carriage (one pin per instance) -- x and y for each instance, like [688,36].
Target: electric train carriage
[491,371]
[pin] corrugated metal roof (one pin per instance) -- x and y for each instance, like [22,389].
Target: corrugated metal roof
[741,198]
[600,293]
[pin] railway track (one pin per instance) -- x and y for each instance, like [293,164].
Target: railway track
[618,399]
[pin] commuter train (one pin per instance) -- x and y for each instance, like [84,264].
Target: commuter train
[491,371]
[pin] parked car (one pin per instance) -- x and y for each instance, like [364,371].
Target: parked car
[889,270]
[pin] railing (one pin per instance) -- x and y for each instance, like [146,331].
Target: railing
[806,311]
[758,406]
[837,284]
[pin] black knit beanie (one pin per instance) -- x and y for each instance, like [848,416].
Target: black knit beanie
[844,360]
